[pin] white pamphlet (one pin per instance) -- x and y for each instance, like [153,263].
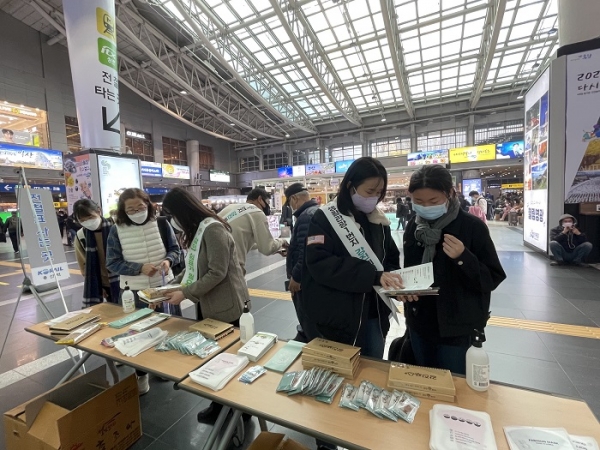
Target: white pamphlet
[583,442]
[216,373]
[137,343]
[533,438]
[454,428]
[67,316]
[256,347]
[416,279]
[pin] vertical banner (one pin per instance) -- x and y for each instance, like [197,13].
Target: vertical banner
[535,223]
[78,178]
[91,35]
[45,247]
[582,152]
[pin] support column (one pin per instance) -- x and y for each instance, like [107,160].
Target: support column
[577,20]
[366,151]
[413,138]
[471,131]
[193,156]
[321,148]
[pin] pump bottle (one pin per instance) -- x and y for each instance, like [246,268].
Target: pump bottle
[246,325]
[128,300]
[478,364]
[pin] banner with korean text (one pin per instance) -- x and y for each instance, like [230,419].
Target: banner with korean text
[582,143]
[91,35]
[44,243]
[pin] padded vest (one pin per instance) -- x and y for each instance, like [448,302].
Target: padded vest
[142,244]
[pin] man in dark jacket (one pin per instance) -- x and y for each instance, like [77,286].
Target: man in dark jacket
[299,201]
[568,244]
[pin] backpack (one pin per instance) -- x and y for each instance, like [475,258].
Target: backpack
[478,212]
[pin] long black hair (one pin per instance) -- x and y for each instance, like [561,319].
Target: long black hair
[434,177]
[358,172]
[188,211]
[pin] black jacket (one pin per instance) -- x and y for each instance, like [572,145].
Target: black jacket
[295,253]
[465,283]
[568,241]
[337,289]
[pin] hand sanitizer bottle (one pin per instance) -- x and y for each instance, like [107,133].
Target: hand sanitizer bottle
[246,325]
[478,364]
[128,300]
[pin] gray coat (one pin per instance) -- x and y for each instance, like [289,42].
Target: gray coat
[221,288]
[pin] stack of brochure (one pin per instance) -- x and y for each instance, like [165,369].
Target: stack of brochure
[134,345]
[66,326]
[256,347]
[424,382]
[533,438]
[455,428]
[339,358]
[216,373]
[417,280]
[285,356]
[212,329]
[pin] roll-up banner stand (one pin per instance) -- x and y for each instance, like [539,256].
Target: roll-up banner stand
[92,44]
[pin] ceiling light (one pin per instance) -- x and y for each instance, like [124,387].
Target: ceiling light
[552,31]
[232,124]
[520,97]
[183,92]
[287,135]
[254,139]
[536,65]
[383,119]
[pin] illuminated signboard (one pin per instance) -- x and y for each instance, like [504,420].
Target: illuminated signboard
[470,154]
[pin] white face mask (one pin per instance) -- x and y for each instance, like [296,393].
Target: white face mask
[139,217]
[175,225]
[92,224]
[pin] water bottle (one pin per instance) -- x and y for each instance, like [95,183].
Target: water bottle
[478,364]
[128,300]
[246,325]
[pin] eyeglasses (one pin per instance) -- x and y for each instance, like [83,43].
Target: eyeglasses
[135,211]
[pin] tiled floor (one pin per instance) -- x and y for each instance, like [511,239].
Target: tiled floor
[559,364]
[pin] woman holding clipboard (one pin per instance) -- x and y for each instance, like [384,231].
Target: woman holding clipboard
[466,270]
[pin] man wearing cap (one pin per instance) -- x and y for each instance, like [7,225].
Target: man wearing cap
[250,228]
[567,243]
[303,208]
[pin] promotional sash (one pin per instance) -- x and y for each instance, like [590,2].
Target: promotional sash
[241,211]
[191,260]
[350,235]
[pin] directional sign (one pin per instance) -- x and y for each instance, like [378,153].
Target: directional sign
[11,187]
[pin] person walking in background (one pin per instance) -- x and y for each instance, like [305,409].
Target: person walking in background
[72,227]
[12,225]
[466,270]
[250,227]
[401,213]
[568,244]
[62,217]
[139,254]
[299,201]
[90,249]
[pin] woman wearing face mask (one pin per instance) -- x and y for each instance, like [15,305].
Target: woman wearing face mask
[141,251]
[90,249]
[466,270]
[349,249]
[217,286]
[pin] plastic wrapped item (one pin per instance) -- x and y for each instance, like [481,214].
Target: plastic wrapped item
[250,375]
[382,406]
[373,399]
[207,348]
[194,341]
[298,382]
[347,398]
[330,390]
[285,385]
[406,407]
[363,393]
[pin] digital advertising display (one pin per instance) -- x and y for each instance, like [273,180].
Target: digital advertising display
[471,154]
[510,150]
[219,176]
[14,155]
[535,161]
[320,169]
[175,171]
[428,157]
[299,171]
[471,185]
[115,175]
[285,172]
[151,169]
[343,166]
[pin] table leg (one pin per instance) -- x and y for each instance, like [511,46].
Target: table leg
[113,370]
[75,368]
[214,434]
[263,424]
[231,426]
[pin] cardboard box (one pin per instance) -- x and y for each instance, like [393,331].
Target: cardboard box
[425,379]
[84,413]
[431,395]
[275,441]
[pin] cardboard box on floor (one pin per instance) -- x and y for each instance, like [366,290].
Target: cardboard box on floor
[84,413]
[274,441]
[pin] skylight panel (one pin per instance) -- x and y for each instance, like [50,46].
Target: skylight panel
[449,72]
[410,45]
[377,67]
[432,88]
[468,68]
[342,34]
[431,76]
[472,43]
[407,12]
[427,7]
[431,55]
[412,58]
[326,38]
[450,50]
[241,8]
[526,13]
[452,33]
[364,26]
[449,83]
[261,5]
[522,31]
[318,22]
[223,13]
[263,58]
[514,58]
[334,17]
[344,74]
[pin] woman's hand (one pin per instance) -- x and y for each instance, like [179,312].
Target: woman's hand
[453,247]
[408,298]
[164,267]
[149,270]
[390,280]
[175,298]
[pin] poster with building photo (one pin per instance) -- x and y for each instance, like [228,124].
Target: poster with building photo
[582,143]
[535,160]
